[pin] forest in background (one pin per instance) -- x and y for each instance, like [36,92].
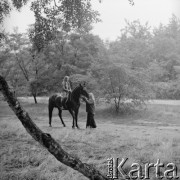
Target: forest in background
[142,63]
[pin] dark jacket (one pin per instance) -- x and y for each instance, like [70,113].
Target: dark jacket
[90,106]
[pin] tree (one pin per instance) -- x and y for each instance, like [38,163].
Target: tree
[9,58]
[165,45]
[72,14]
[120,83]
[133,47]
[5,67]
[45,139]
[156,72]
[52,17]
[23,66]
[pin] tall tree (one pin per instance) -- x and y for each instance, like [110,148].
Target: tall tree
[133,46]
[165,46]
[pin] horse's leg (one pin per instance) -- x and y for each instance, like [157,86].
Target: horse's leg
[76,118]
[50,114]
[73,116]
[60,116]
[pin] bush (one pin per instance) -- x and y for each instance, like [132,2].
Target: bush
[167,90]
[121,84]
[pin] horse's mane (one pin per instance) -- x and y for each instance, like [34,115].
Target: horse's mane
[74,90]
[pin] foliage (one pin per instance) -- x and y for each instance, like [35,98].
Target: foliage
[121,84]
[35,87]
[53,17]
[6,7]
[168,90]
[127,68]
[154,51]
[91,83]
[132,48]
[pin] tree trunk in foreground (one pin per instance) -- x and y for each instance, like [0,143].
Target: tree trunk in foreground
[45,139]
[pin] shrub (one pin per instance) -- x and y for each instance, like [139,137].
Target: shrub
[167,90]
[121,85]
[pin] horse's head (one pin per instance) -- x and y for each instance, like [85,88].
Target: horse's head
[83,90]
[79,91]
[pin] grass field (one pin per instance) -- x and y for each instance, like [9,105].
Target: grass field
[142,137]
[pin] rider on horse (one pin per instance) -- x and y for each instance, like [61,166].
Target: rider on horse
[66,88]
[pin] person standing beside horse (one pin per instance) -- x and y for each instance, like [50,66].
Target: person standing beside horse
[90,109]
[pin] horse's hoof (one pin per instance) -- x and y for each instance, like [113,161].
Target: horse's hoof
[73,127]
[50,125]
[64,125]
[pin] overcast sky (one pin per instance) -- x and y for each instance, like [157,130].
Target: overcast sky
[113,13]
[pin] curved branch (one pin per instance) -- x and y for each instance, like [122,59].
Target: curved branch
[45,139]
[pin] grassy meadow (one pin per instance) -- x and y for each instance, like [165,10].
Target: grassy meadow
[143,136]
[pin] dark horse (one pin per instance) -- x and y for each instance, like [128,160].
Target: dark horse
[72,104]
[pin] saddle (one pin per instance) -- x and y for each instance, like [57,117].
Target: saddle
[66,100]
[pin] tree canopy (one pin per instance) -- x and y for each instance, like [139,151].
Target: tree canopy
[139,49]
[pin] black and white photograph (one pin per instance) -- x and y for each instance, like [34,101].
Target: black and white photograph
[89,89]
